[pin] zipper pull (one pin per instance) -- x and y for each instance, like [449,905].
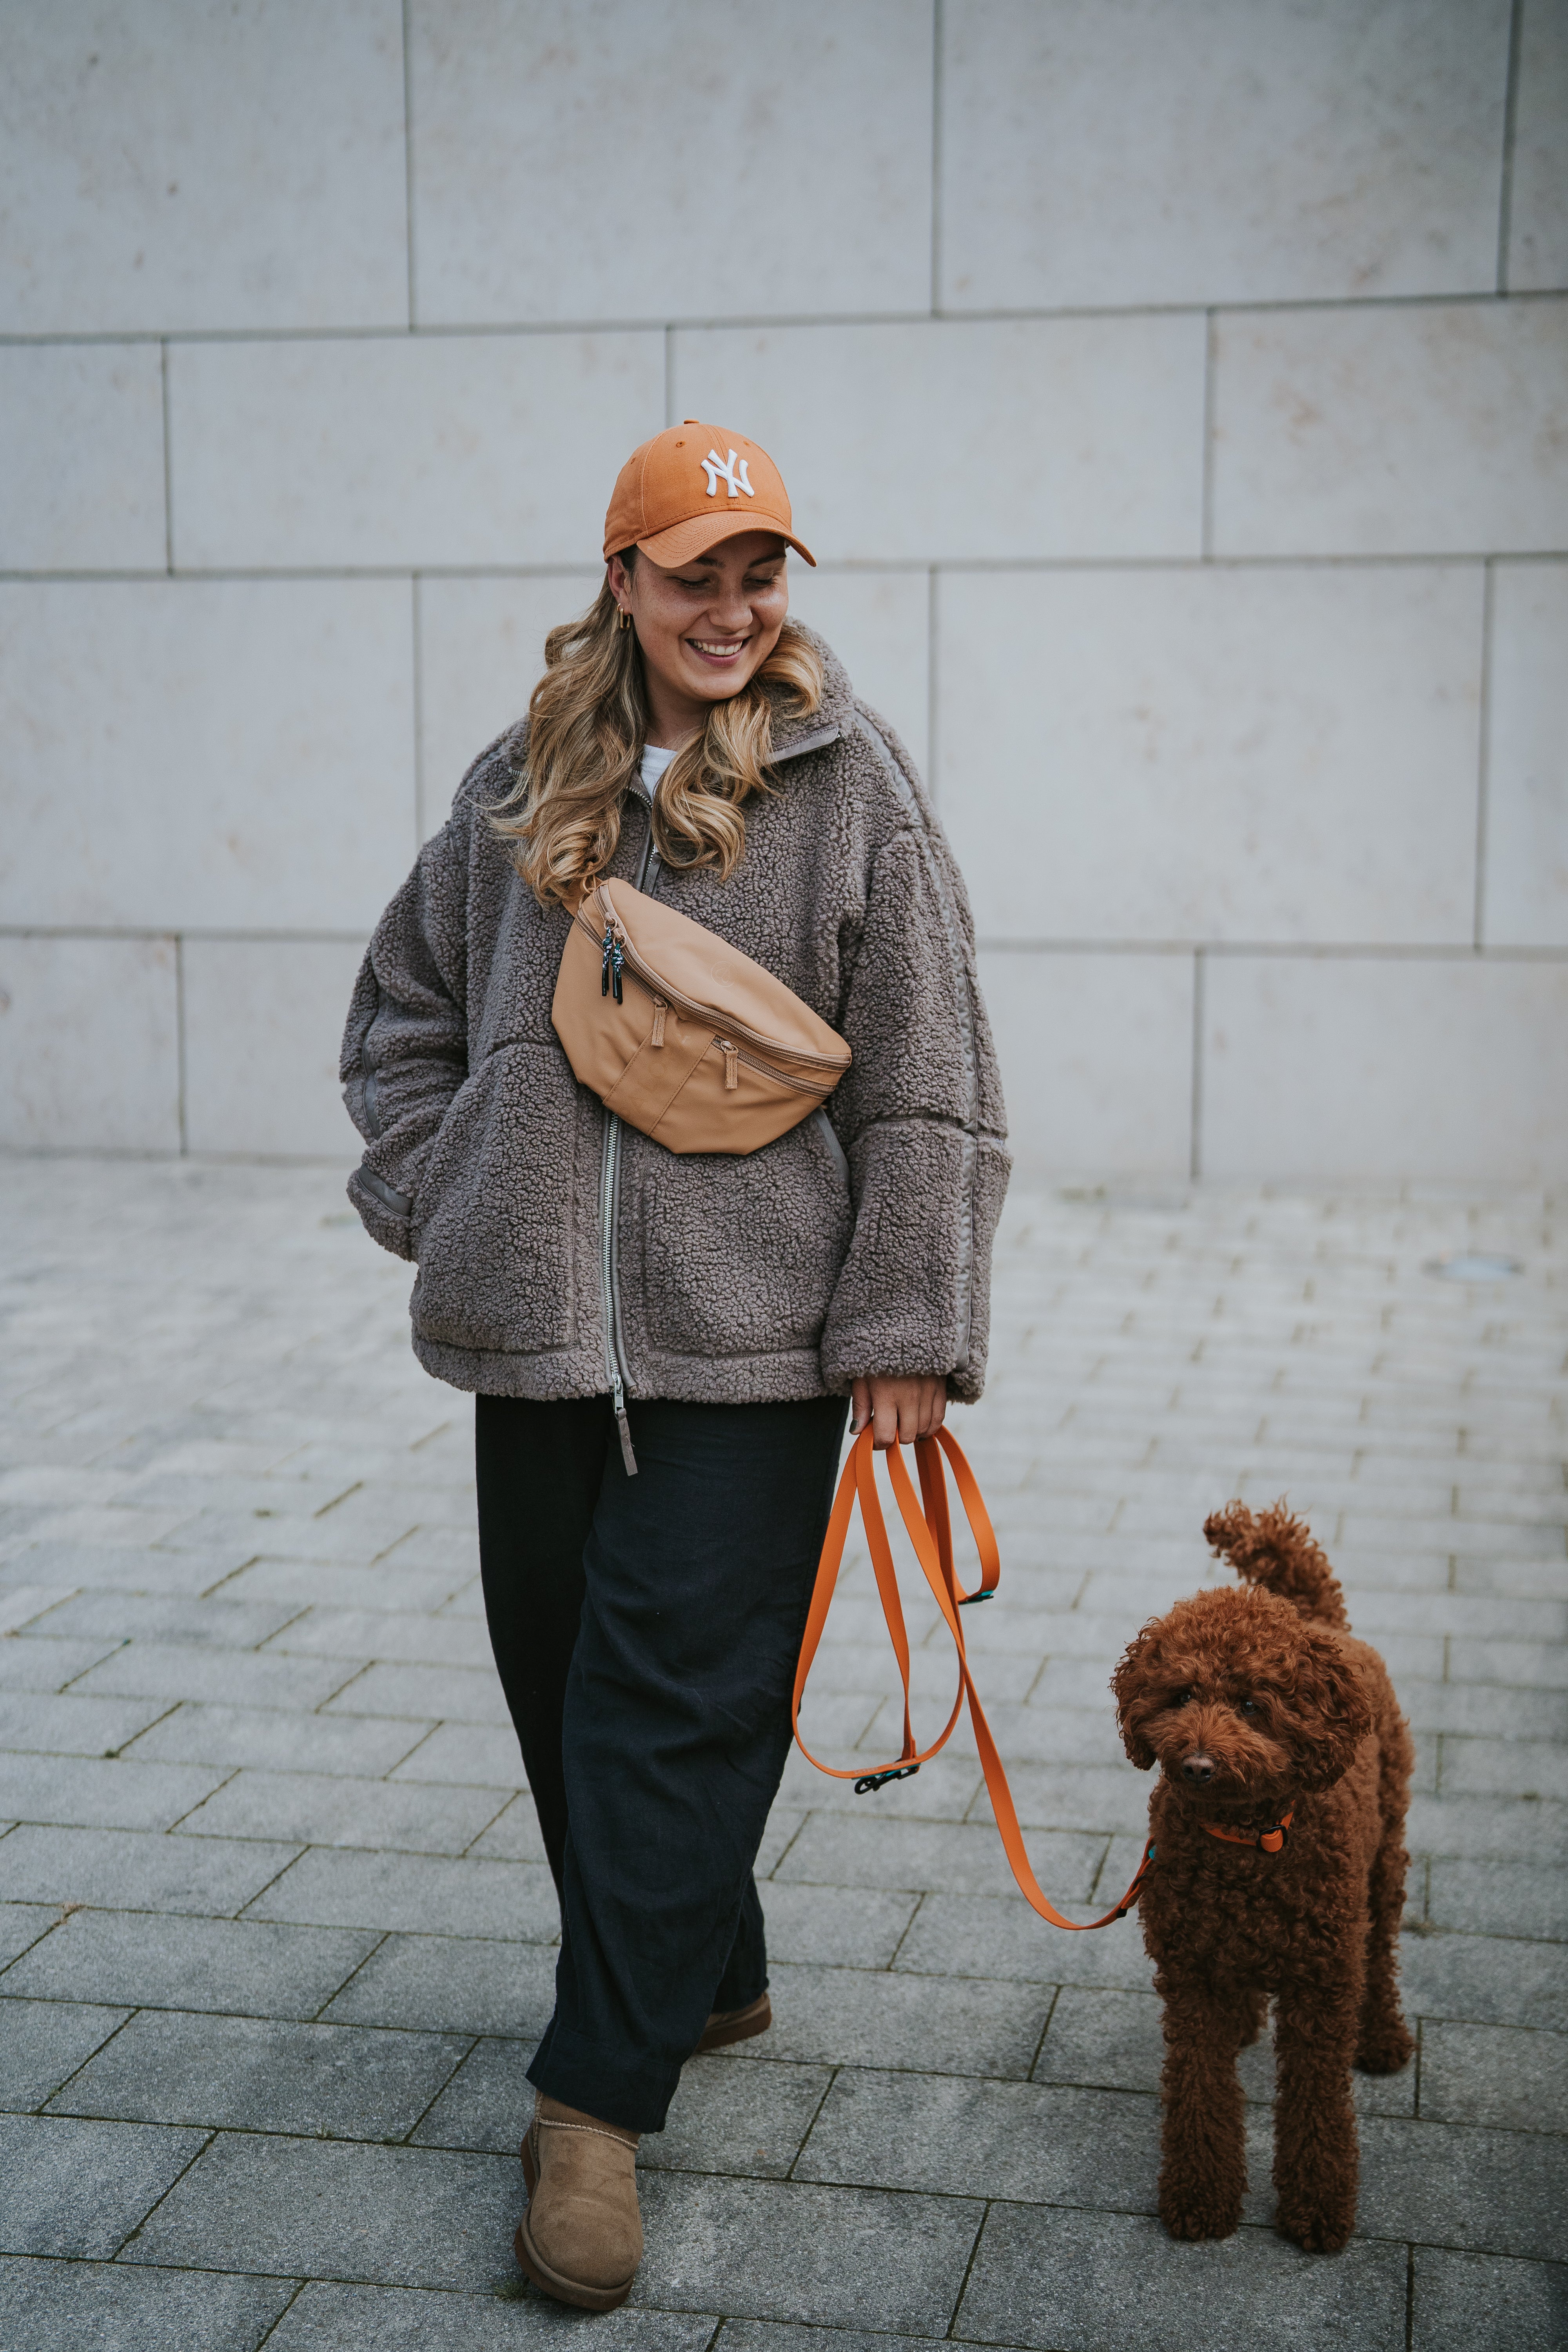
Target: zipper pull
[613,964]
[732,1064]
[622,1426]
[660,1009]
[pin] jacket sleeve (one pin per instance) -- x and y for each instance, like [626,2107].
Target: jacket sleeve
[920,1115]
[405,1049]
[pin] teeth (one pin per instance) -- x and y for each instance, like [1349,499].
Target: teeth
[708,645]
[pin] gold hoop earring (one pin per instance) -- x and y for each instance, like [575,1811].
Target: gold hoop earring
[625,620]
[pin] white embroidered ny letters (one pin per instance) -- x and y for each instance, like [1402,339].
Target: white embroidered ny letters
[736,475]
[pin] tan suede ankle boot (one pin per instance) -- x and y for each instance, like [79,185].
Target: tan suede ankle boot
[727,2025]
[581,2238]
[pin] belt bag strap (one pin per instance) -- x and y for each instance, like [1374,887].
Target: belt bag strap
[929,1527]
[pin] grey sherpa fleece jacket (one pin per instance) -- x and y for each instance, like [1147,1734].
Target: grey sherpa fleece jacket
[834,1252]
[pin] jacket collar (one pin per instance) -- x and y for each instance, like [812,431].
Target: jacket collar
[835,714]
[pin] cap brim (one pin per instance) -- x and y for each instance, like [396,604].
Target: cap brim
[683,541]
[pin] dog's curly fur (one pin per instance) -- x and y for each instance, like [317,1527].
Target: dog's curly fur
[1267,1689]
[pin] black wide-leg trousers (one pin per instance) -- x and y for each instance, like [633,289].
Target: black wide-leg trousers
[646,1631]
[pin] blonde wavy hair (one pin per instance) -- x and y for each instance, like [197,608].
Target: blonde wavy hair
[587,722]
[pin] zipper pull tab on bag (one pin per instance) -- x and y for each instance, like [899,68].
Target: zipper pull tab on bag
[732,1064]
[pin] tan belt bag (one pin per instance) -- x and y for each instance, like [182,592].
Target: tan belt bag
[680,1034]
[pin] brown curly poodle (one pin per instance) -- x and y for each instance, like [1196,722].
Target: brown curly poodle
[1279,1821]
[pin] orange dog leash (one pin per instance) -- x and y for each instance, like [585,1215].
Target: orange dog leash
[930,1530]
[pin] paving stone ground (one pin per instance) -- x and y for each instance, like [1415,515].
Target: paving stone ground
[275,1927]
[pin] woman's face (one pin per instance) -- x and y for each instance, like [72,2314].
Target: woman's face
[705,627]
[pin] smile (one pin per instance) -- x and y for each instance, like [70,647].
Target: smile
[716,648]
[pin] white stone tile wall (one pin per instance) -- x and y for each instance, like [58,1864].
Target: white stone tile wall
[1366,1066]
[90,1054]
[1421,429]
[199,755]
[81,486]
[658,158]
[970,440]
[1175,398]
[201,166]
[1126,151]
[1525,833]
[1214,752]
[263,1024]
[400,452]
[1538,192]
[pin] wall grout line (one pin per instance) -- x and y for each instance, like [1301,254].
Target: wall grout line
[843,567]
[275,936]
[933,640]
[1205,529]
[1509,121]
[408,170]
[1283,950]
[417,621]
[168,460]
[395,330]
[179,1043]
[1195,1139]
[1483,756]
[670,376]
[937,34]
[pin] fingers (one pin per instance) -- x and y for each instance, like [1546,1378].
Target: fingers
[885,1414]
[900,1409]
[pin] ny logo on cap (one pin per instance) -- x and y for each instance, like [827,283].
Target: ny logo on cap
[717,471]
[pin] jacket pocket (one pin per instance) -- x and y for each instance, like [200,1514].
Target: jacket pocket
[492,1217]
[741,1256]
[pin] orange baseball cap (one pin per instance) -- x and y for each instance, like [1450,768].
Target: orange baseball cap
[692,486]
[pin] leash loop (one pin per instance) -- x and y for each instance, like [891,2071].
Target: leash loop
[928,1523]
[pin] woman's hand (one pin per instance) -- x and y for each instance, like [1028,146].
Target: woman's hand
[900,1408]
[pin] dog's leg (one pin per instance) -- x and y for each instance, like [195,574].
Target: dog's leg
[1254,2015]
[1384,2043]
[1202,2174]
[1316,2157]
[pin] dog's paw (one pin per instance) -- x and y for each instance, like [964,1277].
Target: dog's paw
[1318,2225]
[1385,2049]
[1187,2216]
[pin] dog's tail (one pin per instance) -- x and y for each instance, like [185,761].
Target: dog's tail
[1272,1549]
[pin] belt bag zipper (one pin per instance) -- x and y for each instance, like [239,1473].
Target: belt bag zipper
[771,1070]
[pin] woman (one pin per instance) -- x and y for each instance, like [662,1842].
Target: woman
[661,1345]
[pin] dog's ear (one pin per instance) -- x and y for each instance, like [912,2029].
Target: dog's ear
[1333,1712]
[1129,1685]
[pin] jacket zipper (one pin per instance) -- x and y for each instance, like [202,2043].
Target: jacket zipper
[616,1364]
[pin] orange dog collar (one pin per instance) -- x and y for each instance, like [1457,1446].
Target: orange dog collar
[1269,1840]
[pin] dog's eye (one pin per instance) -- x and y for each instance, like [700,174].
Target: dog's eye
[1179,1698]
[1247,1706]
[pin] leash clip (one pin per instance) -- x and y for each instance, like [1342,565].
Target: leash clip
[986,1592]
[874,1781]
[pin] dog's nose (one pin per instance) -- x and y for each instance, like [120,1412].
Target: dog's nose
[1197,1769]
